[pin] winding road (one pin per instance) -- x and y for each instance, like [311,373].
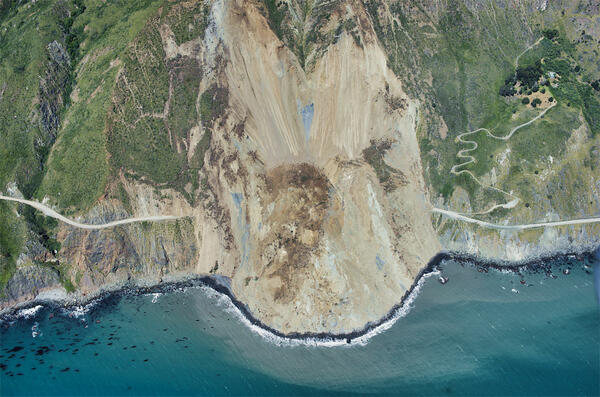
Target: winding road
[464,153]
[488,225]
[450,214]
[51,213]
[527,49]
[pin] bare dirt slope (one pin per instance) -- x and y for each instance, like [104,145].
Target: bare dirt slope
[324,245]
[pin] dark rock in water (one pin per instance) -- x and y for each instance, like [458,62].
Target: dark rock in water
[42,350]
[566,271]
[15,349]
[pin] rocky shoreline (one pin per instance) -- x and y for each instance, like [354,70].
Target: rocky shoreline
[221,285]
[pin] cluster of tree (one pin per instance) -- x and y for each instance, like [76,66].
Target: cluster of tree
[535,102]
[73,36]
[529,75]
[550,33]
[508,89]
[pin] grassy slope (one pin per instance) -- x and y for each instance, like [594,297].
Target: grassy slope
[25,32]
[74,171]
[150,148]
[78,167]
[467,54]
[24,35]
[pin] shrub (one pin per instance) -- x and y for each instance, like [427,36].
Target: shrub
[543,90]
[525,101]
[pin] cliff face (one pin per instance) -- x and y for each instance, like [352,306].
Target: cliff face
[304,145]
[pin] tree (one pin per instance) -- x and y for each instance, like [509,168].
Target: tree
[525,101]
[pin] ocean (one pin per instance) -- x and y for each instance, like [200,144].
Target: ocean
[483,332]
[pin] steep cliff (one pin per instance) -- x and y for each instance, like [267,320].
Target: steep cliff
[304,145]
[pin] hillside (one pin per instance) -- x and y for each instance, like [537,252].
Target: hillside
[311,151]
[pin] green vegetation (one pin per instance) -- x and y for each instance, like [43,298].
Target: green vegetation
[388,176]
[42,226]
[138,140]
[66,283]
[275,16]
[212,104]
[546,137]
[558,58]
[550,33]
[25,35]
[182,113]
[528,76]
[12,240]
[143,141]
[73,35]
[73,171]
[202,147]
[187,21]
[469,71]
[305,27]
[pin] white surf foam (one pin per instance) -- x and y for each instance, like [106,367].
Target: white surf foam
[227,304]
[29,312]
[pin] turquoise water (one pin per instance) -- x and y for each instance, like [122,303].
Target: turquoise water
[480,333]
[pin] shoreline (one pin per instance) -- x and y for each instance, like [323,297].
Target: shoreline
[360,336]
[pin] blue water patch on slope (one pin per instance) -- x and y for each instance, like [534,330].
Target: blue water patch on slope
[237,200]
[307,113]
[379,262]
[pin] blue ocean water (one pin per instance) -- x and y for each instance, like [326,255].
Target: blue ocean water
[481,333]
